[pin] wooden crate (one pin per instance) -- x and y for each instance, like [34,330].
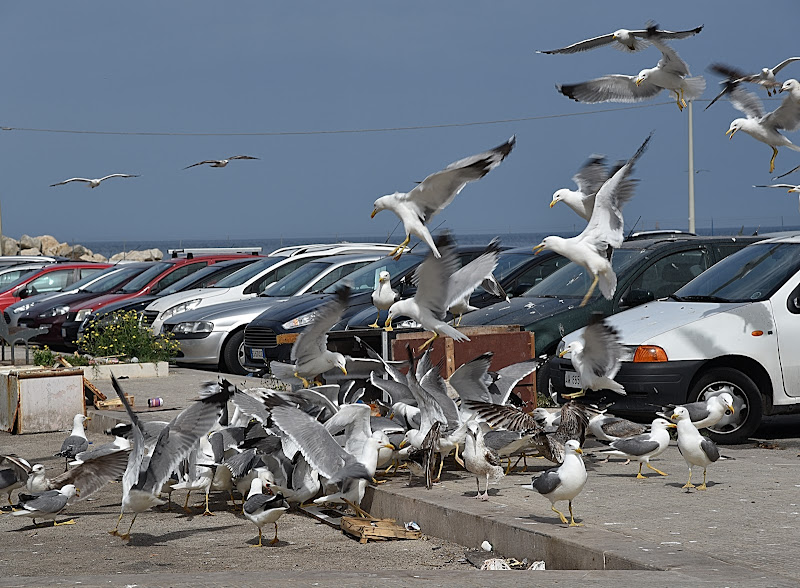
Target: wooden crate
[114,403]
[38,400]
[508,343]
[376,529]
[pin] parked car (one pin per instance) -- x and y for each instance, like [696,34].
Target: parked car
[245,283]
[517,270]
[270,335]
[202,278]
[214,335]
[734,328]
[48,278]
[646,269]
[11,260]
[52,313]
[159,276]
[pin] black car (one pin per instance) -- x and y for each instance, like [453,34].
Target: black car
[647,269]
[517,271]
[270,335]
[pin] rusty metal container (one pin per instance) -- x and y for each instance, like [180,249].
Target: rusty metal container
[40,400]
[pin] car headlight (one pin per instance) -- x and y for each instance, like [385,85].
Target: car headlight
[83,314]
[193,327]
[179,308]
[55,311]
[561,347]
[23,308]
[300,321]
[627,352]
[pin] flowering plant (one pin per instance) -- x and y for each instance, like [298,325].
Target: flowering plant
[122,335]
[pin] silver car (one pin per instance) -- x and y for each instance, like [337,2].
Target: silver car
[214,335]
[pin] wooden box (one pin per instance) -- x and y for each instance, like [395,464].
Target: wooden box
[40,400]
[376,529]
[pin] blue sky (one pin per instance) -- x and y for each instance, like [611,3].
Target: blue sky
[269,67]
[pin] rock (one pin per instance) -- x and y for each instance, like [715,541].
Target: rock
[28,242]
[10,246]
[63,249]
[31,251]
[92,257]
[77,252]
[48,244]
[146,255]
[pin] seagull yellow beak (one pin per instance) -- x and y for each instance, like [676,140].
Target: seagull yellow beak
[638,81]
[579,451]
[374,212]
[563,353]
[344,371]
[403,443]
[538,249]
[672,426]
[77,491]
[553,203]
[732,132]
[388,446]
[730,408]
[673,417]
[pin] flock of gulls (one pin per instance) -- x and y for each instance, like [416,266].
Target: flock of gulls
[324,443]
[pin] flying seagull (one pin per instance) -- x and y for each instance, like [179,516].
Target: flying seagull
[624,40]
[788,187]
[93,183]
[671,73]
[434,193]
[596,357]
[765,78]
[592,249]
[220,162]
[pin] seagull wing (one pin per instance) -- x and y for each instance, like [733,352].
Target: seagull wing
[786,116]
[251,406]
[71,180]
[585,45]
[592,175]
[436,191]
[433,277]
[118,176]
[601,349]
[241,157]
[785,186]
[50,502]
[202,163]
[746,102]
[314,340]
[397,392]
[319,449]
[508,377]
[136,456]
[636,446]
[464,281]
[507,417]
[661,34]
[610,88]
[94,473]
[670,61]
[469,380]
[783,64]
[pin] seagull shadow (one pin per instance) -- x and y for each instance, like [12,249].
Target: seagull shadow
[554,520]
[264,543]
[492,492]
[148,540]
[709,485]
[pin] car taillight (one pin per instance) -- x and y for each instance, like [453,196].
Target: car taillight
[649,354]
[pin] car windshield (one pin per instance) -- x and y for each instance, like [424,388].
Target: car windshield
[289,285]
[12,278]
[146,277]
[573,281]
[366,278]
[113,279]
[752,274]
[247,273]
[508,262]
[207,277]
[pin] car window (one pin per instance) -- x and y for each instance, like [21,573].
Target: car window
[275,275]
[12,277]
[50,282]
[337,274]
[88,271]
[146,277]
[365,279]
[536,274]
[245,274]
[178,274]
[573,281]
[113,280]
[666,275]
[290,284]
[207,277]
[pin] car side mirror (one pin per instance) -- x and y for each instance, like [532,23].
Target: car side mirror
[23,292]
[636,297]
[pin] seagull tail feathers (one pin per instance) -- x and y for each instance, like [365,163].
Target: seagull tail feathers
[607,282]
[694,87]
[448,331]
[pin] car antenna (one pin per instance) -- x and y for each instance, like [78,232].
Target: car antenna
[633,227]
[389,236]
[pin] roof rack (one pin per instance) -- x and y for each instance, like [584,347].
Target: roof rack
[191,252]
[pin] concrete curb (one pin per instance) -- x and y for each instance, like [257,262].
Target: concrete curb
[127,370]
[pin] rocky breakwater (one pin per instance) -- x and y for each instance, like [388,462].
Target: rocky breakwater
[48,245]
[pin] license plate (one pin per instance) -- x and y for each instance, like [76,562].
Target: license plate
[257,354]
[572,380]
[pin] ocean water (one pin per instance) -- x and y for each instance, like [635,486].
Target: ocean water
[109,248]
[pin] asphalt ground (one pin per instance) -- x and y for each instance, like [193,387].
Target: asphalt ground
[746,523]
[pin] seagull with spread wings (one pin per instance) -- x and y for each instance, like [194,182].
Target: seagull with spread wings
[93,183]
[765,78]
[788,187]
[624,40]
[596,357]
[434,193]
[592,249]
[220,162]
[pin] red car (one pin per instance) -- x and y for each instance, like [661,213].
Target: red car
[151,281]
[50,278]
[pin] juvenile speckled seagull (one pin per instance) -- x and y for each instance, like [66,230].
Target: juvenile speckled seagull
[383,296]
[417,207]
[596,357]
[671,73]
[624,40]
[220,162]
[93,183]
[592,249]
[480,460]
[695,449]
[564,482]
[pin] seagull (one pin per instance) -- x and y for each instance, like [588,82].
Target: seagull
[764,127]
[589,180]
[707,413]
[47,505]
[596,358]
[383,296]
[695,449]
[607,427]
[440,284]
[671,73]
[220,162]
[434,193]
[93,183]
[624,40]
[489,283]
[480,460]
[13,477]
[76,442]
[592,249]
[765,78]
[262,509]
[37,479]
[643,447]
[564,482]
[788,187]
[310,352]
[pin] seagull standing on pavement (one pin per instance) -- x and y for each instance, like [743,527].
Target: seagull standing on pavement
[262,509]
[695,449]
[93,183]
[47,505]
[417,207]
[643,447]
[564,482]
[480,460]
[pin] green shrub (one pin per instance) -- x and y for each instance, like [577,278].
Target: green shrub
[121,335]
[44,357]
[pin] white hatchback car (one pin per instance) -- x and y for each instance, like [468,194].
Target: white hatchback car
[734,328]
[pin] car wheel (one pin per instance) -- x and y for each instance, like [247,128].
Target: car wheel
[739,426]
[233,354]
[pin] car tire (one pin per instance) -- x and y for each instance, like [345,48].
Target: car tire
[736,428]
[233,354]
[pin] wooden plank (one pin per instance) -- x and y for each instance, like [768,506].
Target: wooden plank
[376,529]
[60,359]
[94,390]
[114,403]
